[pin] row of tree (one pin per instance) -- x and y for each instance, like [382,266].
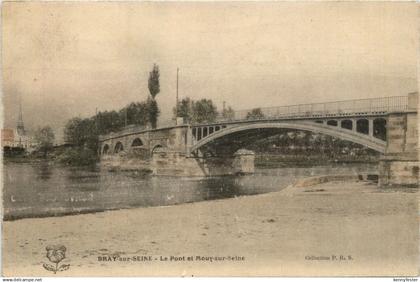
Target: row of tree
[85,132]
[199,111]
[205,110]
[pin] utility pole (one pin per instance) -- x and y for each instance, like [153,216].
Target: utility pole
[177,82]
[96,129]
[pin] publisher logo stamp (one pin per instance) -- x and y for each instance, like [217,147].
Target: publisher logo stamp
[55,254]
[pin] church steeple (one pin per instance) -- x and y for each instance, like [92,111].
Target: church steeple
[20,126]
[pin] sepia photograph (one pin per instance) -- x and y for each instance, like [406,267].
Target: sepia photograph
[209,139]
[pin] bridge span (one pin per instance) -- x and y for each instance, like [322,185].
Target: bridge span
[203,135]
[387,125]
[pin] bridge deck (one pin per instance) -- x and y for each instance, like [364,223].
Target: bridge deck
[347,108]
[338,109]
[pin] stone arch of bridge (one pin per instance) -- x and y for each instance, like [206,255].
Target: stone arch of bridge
[156,148]
[136,142]
[105,149]
[118,147]
[371,142]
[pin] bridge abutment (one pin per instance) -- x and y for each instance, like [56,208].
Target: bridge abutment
[399,166]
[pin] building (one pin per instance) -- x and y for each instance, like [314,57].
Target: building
[8,137]
[18,137]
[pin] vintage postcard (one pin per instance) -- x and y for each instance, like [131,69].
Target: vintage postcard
[209,139]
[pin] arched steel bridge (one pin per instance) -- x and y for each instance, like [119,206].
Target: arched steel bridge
[345,134]
[361,121]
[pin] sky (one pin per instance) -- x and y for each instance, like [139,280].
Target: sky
[68,59]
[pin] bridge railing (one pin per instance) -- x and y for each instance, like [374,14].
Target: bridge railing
[328,109]
[125,130]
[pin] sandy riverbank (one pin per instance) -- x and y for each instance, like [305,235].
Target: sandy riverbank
[291,232]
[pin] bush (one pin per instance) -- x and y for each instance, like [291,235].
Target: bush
[77,156]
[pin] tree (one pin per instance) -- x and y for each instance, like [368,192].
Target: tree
[154,86]
[109,121]
[255,114]
[184,109]
[83,135]
[44,138]
[154,89]
[196,111]
[135,113]
[72,132]
[203,111]
[228,113]
[153,110]
[82,132]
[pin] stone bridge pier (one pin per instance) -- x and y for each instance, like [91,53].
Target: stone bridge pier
[166,162]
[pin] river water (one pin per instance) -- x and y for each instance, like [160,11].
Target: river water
[42,189]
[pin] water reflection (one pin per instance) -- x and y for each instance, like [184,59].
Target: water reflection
[42,170]
[43,189]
